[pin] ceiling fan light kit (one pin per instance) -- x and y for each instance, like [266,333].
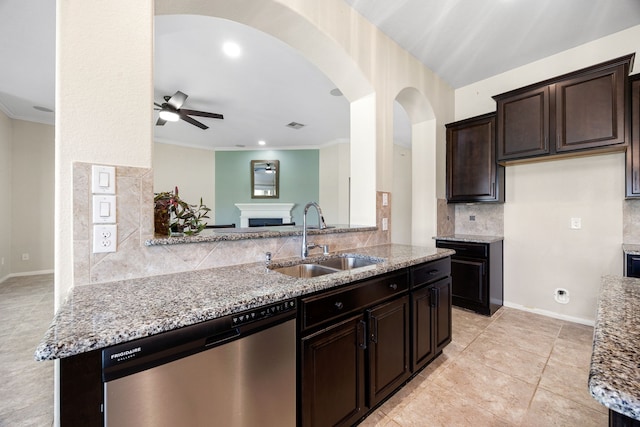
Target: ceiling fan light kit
[171,111]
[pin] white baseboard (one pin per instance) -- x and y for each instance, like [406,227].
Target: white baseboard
[26,273]
[548,313]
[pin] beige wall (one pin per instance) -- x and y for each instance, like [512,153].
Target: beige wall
[6,143]
[541,253]
[401,196]
[191,169]
[334,182]
[32,200]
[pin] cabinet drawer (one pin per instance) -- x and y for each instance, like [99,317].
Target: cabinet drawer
[464,249]
[328,306]
[430,272]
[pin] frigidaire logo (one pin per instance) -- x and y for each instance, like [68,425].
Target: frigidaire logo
[126,354]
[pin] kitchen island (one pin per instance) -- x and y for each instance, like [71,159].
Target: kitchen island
[614,377]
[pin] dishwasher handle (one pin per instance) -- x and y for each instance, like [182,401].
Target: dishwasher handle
[222,338]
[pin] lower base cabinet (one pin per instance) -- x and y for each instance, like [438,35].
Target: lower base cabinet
[392,326]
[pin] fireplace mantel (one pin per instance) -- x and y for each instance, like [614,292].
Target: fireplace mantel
[264,210]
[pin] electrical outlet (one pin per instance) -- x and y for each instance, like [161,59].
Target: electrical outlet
[105,238]
[25,257]
[2,261]
[385,199]
[472,217]
[385,224]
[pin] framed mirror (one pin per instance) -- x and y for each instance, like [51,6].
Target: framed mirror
[265,179]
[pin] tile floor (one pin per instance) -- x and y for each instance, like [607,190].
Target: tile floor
[513,369]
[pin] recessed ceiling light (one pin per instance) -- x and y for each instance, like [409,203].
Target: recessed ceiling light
[45,109]
[262,142]
[231,49]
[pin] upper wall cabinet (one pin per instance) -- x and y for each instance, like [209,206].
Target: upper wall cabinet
[472,172]
[583,110]
[633,153]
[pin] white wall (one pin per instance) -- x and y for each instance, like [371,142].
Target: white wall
[334,177]
[32,201]
[192,170]
[6,142]
[541,253]
[401,196]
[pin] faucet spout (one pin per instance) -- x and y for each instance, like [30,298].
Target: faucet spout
[321,225]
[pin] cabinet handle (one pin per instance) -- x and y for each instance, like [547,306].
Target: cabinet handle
[339,305]
[362,335]
[374,329]
[433,272]
[393,286]
[435,297]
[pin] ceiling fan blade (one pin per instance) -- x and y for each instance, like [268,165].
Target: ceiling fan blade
[160,122]
[157,105]
[201,114]
[177,100]
[192,121]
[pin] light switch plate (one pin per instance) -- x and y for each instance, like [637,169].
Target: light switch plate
[104,209]
[105,238]
[385,199]
[103,179]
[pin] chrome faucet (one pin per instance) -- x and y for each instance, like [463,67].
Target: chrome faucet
[321,225]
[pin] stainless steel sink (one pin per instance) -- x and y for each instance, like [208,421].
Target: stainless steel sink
[305,270]
[326,266]
[347,263]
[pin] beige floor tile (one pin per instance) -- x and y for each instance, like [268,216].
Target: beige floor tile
[522,335]
[576,333]
[550,409]
[572,352]
[531,321]
[510,360]
[571,382]
[503,395]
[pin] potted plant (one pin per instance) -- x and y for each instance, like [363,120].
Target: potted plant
[172,215]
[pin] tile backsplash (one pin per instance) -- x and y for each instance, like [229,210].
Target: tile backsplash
[483,219]
[134,204]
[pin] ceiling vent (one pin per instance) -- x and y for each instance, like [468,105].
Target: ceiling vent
[295,125]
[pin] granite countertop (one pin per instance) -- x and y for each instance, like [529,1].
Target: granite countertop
[101,315]
[630,249]
[226,234]
[614,378]
[471,238]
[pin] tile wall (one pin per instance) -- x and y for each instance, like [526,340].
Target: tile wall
[134,203]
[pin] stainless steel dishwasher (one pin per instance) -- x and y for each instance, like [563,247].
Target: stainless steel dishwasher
[238,370]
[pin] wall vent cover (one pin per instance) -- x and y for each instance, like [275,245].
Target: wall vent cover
[295,125]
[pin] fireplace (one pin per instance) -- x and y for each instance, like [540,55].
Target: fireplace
[264,211]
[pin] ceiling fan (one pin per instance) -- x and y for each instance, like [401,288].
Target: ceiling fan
[171,111]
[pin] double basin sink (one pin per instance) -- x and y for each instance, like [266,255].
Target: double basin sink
[311,268]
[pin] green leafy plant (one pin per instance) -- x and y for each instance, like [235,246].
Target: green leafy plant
[174,215]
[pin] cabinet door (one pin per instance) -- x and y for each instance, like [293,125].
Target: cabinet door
[333,371]
[424,349]
[469,283]
[633,153]
[590,110]
[388,348]
[442,304]
[523,124]
[472,171]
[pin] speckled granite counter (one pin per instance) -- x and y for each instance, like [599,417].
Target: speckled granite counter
[472,238]
[630,249]
[614,378]
[227,234]
[101,315]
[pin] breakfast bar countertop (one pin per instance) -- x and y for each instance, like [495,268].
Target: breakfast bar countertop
[470,238]
[614,377]
[104,314]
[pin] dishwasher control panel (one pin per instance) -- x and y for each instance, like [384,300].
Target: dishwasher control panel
[263,312]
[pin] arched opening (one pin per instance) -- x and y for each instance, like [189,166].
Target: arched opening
[423,167]
[332,60]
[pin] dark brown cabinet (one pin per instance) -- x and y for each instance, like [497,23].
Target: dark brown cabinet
[583,110]
[431,311]
[473,174]
[476,275]
[632,265]
[333,371]
[633,152]
[388,348]
[358,343]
